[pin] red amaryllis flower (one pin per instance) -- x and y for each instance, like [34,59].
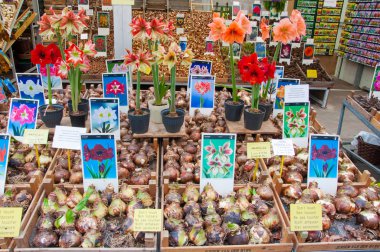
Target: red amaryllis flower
[157,29]
[255,75]
[140,28]
[268,68]
[40,56]
[324,153]
[98,153]
[115,87]
[202,87]
[54,53]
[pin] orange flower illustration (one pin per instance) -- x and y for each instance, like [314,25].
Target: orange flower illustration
[281,92]
[309,51]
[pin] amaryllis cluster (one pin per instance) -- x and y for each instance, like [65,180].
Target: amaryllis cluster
[43,55]
[246,216]
[154,30]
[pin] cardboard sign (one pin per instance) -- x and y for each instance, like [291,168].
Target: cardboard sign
[68,137]
[311,74]
[148,220]
[305,217]
[297,93]
[10,221]
[258,150]
[282,147]
[36,136]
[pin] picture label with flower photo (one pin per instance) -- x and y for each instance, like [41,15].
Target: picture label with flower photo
[118,66]
[3,96]
[56,81]
[22,115]
[106,5]
[278,105]
[286,53]
[103,19]
[209,47]
[115,86]
[235,9]
[4,150]
[217,161]
[256,11]
[199,67]
[308,54]
[296,122]
[100,42]
[255,32]
[105,116]
[260,49]
[202,94]
[375,87]
[279,73]
[323,162]
[30,86]
[236,50]
[99,161]
[180,20]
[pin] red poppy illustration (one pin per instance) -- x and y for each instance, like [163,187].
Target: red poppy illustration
[98,153]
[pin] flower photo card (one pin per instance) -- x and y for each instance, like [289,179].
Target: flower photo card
[209,47]
[323,162]
[260,49]
[375,87]
[22,115]
[30,86]
[236,50]
[296,123]
[118,66]
[105,116]
[308,54]
[3,96]
[106,5]
[84,4]
[56,81]
[235,9]
[115,85]
[278,105]
[183,43]
[255,32]
[198,67]
[202,94]
[103,19]
[4,150]
[99,161]
[285,53]
[217,161]
[279,73]
[100,42]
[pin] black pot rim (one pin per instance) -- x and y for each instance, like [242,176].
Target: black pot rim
[130,111]
[262,110]
[239,101]
[82,100]
[79,113]
[165,112]
[59,106]
[266,103]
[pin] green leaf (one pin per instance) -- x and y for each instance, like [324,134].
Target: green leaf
[70,216]
[108,169]
[46,202]
[253,191]
[83,202]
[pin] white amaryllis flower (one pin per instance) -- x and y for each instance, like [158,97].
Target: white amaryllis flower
[102,115]
[30,88]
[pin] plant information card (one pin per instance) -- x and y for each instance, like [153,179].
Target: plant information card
[305,217]
[68,137]
[147,220]
[10,221]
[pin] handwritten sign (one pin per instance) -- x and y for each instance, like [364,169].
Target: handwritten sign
[35,136]
[123,2]
[282,147]
[305,217]
[148,220]
[10,221]
[311,74]
[68,137]
[258,150]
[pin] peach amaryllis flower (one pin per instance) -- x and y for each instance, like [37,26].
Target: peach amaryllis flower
[156,29]
[140,28]
[264,29]
[140,61]
[217,28]
[234,33]
[299,22]
[244,22]
[74,55]
[285,31]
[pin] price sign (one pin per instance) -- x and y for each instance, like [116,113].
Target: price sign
[305,217]
[10,221]
[282,147]
[35,136]
[258,150]
[148,220]
[311,74]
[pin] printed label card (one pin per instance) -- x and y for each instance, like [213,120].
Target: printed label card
[323,162]
[118,66]
[297,93]
[180,20]
[103,19]
[202,94]
[30,86]
[236,50]
[235,8]
[99,161]
[105,116]
[256,10]
[260,49]
[209,47]
[254,34]
[9,85]
[308,54]
[106,5]
[68,137]
[4,150]
[100,42]
[296,123]
[22,115]
[217,161]
[375,87]
[297,42]
[83,4]
[115,86]
[278,105]
[3,96]
[199,67]
[285,53]
[56,81]
[279,73]
[183,43]
[265,14]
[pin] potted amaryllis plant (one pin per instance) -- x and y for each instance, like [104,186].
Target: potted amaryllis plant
[235,32]
[154,32]
[173,118]
[75,59]
[47,58]
[139,117]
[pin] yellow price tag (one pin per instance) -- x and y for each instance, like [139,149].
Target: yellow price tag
[148,220]
[123,2]
[258,150]
[10,221]
[305,217]
[36,136]
[311,74]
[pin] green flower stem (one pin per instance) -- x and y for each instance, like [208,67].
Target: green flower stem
[277,52]
[138,91]
[49,84]
[60,44]
[265,93]
[172,89]
[255,96]
[232,65]
[201,101]
[156,81]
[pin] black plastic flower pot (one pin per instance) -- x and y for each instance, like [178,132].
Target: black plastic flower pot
[268,106]
[233,111]
[139,123]
[82,106]
[51,115]
[173,124]
[78,119]
[253,120]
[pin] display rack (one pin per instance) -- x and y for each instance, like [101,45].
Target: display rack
[308,8]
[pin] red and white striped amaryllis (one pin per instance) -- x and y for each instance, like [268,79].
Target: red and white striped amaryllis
[140,28]
[139,61]
[74,55]
[202,87]
[156,29]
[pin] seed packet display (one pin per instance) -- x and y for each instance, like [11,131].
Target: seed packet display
[278,105]
[260,49]
[308,54]
[103,23]
[202,94]
[296,123]
[100,42]
[199,67]
[22,115]
[105,116]
[279,73]
[99,161]
[285,53]
[323,162]
[217,161]
[375,87]
[56,81]
[115,86]
[30,86]
[4,150]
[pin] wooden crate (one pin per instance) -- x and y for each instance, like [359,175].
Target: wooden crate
[373,117]
[286,243]
[323,84]
[302,246]
[22,242]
